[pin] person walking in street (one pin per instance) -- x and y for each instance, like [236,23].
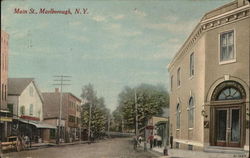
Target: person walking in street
[135,142]
[140,139]
[26,140]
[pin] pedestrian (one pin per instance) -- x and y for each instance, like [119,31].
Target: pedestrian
[151,140]
[155,140]
[159,141]
[26,140]
[135,142]
[171,142]
[140,139]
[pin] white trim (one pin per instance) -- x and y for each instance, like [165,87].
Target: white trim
[189,142]
[234,45]
[221,15]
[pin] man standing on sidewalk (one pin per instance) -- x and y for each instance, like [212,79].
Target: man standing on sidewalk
[151,141]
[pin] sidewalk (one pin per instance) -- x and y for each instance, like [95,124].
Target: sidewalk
[180,153]
[46,145]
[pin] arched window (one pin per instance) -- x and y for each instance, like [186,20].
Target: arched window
[229,93]
[191,113]
[228,90]
[178,114]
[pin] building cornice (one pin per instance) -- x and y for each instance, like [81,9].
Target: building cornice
[208,24]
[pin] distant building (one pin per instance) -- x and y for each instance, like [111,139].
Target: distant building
[70,116]
[209,99]
[158,126]
[5,118]
[25,102]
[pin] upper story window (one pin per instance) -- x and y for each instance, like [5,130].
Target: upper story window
[178,115]
[191,65]
[31,91]
[171,83]
[227,46]
[10,108]
[31,109]
[22,110]
[178,76]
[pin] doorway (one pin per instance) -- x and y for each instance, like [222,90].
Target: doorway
[228,123]
[228,115]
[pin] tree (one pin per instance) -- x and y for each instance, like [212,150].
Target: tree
[99,112]
[151,100]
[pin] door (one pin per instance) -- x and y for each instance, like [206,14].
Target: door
[228,123]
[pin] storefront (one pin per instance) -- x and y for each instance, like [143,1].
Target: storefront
[37,131]
[5,124]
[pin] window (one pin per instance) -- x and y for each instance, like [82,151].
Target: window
[10,108]
[190,147]
[2,91]
[71,118]
[22,110]
[191,65]
[191,113]
[31,109]
[178,77]
[31,91]
[5,92]
[227,46]
[177,145]
[229,94]
[178,114]
[171,83]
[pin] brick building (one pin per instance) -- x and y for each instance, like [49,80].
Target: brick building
[4,69]
[70,116]
[5,118]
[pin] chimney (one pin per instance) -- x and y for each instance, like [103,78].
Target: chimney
[241,3]
[57,90]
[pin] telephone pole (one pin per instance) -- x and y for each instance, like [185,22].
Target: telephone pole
[136,116]
[90,109]
[108,125]
[60,81]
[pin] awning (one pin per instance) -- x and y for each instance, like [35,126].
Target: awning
[161,123]
[38,124]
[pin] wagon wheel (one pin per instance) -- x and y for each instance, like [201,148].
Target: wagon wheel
[18,145]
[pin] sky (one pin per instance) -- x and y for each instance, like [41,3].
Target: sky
[113,44]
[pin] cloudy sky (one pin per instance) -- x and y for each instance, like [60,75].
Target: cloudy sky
[117,43]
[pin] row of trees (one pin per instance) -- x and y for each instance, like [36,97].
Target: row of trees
[151,101]
[99,112]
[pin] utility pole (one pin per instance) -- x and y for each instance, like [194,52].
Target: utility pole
[122,124]
[81,123]
[90,109]
[136,116]
[61,79]
[108,125]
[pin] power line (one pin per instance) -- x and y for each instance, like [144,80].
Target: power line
[61,79]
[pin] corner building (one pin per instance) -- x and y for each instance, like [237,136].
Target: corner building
[209,99]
